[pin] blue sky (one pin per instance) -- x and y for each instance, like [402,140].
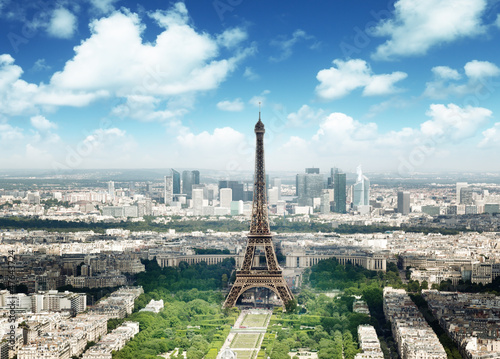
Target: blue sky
[399,86]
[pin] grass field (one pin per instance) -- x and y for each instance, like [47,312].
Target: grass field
[245,341]
[255,320]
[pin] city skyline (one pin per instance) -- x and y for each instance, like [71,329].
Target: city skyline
[113,84]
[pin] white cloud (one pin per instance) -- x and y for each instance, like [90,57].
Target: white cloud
[250,74]
[491,136]
[228,148]
[445,72]
[40,65]
[383,84]
[497,22]
[16,95]
[236,105]
[480,69]
[343,129]
[445,136]
[285,45]
[146,108]
[55,97]
[419,25]
[20,97]
[41,123]
[116,59]
[9,133]
[232,37]
[103,6]
[346,76]
[396,102]
[259,99]
[453,122]
[62,24]
[304,116]
[477,73]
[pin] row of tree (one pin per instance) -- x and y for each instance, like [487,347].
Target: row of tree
[181,225]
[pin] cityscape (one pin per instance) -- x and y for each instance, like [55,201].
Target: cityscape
[249,180]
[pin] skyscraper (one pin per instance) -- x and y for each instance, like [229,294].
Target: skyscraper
[339,192]
[189,178]
[403,202]
[273,196]
[466,196]
[237,187]
[169,190]
[176,178]
[111,190]
[325,202]
[277,184]
[331,180]
[197,201]
[309,186]
[361,190]
[225,196]
[460,185]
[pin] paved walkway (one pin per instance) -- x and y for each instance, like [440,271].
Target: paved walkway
[247,331]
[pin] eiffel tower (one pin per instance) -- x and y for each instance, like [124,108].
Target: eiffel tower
[270,275]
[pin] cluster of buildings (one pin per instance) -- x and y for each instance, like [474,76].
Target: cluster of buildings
[334,198]
[113,341]
[471,320]
[368,343]
[118,304]
[59,326]
[40,271]
[413,336]
[435,258]
[52,301]
[45,261]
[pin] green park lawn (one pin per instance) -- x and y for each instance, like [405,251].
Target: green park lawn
[245,341]
[255,320]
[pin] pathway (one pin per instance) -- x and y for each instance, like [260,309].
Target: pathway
[247,334]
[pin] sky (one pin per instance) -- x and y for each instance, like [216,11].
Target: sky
[400,86]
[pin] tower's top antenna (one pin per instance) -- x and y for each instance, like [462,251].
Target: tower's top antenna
[259,109]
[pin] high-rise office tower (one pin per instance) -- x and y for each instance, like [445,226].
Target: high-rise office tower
[339,192]
[312,171]
[176,179]
[273,196]
[466,196]
[361,189]
[237,187]
[196,176]
[331,180]
[169,190]
[403,202]
[460,185]
[325,202]
[189,178]
[111,190]
[277,184]
[197,201]
[225,197]
[309,186]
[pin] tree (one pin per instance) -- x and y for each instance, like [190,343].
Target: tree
[291,306]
